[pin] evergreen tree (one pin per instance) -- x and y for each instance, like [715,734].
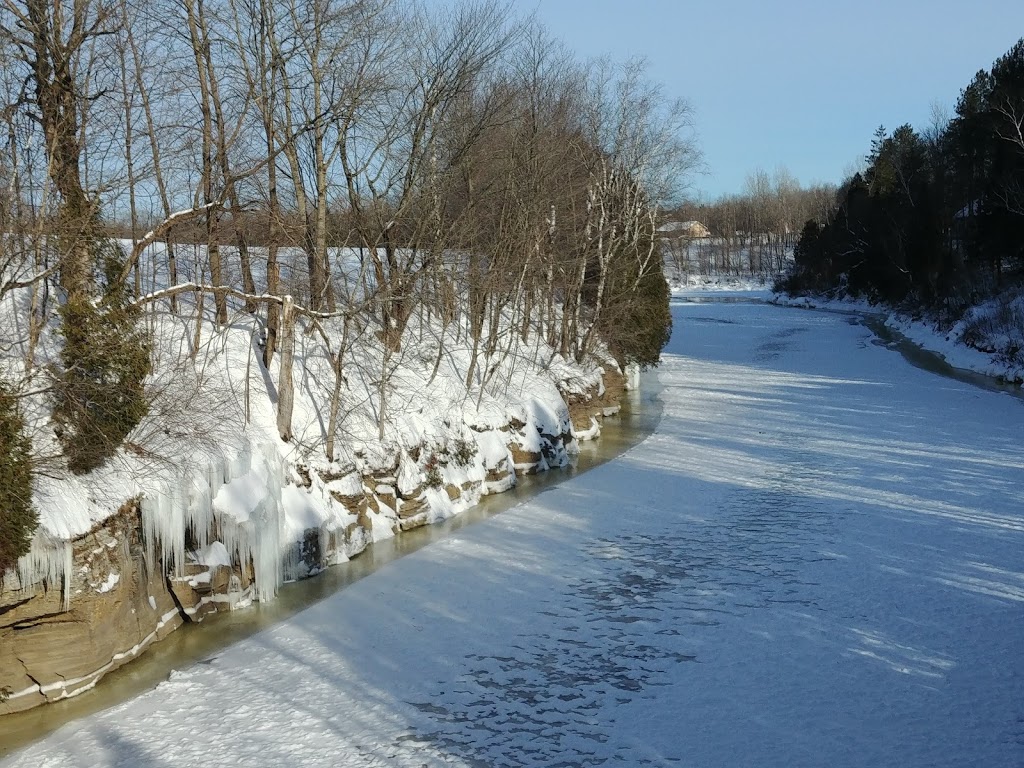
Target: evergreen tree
[18,520]
[641,328]
[932,222]
[100,393]
[636,321]
[877,141]
[808,262]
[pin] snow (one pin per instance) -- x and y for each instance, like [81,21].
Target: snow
[380,525]
[216,554]
[722,286]
[206,464]
[816,559]
[197,579]
[109,584]
[676,226]
[742,263]
[1000,338]
[953,350]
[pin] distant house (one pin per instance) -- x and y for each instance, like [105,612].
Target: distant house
[687,229]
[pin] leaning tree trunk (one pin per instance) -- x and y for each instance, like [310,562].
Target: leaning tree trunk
[56,97]
[286,387]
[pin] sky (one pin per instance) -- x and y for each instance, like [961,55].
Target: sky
[799,84]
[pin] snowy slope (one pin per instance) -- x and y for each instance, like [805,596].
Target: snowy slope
[815,560]
[208,458]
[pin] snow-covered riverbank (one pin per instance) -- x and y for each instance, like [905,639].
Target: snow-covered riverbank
[206,507]
[981,342]
[815,560]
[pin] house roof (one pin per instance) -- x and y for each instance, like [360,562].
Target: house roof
[680,226]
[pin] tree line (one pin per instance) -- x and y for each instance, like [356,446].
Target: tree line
[752,233]
[936,218]
[351,161]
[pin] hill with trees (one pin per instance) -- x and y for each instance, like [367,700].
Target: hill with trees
[749,235]
[258,249]
[935,223]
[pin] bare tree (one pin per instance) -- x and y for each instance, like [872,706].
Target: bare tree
[52,40]
[1011,129]
[387,175]
[642,149]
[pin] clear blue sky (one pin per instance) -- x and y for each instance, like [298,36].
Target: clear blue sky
[797,83]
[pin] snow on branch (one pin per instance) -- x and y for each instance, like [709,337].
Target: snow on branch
[160,230]
[12,285]
[255,298]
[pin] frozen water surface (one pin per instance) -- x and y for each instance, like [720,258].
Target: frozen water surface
[817,559]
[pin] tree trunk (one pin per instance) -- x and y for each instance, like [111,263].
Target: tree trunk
[339,379]
[200,44]
[285,387]
[52,60]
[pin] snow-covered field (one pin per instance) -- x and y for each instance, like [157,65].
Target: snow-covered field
[817,559]
[721,286]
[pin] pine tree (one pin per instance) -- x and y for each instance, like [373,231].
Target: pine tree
[877,141]
[645,330]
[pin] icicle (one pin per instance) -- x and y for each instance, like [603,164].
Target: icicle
[147,510]
[258,538]
[240,464]
[172,530]
[48,559]
[292,566]
[172,509]
[267,522]
[163,521]
[187,502]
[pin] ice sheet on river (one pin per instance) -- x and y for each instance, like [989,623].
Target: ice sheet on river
[817,559]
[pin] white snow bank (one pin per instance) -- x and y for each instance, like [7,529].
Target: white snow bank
[215,555]
[207,466]
[721,285]
[988,340]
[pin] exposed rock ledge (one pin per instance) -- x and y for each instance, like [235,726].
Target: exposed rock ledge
[59,637]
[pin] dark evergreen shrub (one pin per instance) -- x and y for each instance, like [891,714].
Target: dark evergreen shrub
[100,396]
[18,520]
[640,332]
[636,321]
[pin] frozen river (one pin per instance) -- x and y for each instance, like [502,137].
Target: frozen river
[816,559]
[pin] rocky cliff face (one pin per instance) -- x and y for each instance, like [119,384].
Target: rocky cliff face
[117,607]
[118,603]
[589,408]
